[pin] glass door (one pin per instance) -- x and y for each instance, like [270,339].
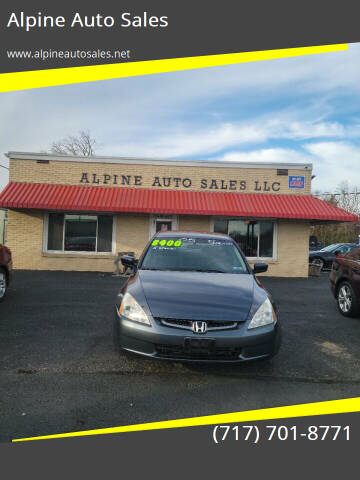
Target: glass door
[162,223]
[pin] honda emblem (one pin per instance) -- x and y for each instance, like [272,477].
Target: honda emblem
[199,327]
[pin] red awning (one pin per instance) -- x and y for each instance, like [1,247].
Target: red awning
[39,196]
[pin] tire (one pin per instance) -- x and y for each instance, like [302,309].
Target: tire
[319,261]
[3,284]
[346,300]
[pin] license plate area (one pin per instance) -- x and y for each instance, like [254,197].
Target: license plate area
[203,346]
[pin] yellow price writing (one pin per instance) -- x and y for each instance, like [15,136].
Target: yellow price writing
[167,243]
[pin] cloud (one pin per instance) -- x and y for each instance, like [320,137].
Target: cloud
[179,142]
[270,108]
[334,162]
[281,155]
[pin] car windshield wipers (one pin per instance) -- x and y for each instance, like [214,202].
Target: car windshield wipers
[145,268]
[207,270]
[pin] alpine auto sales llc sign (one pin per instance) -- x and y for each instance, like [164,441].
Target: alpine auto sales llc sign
[187,182]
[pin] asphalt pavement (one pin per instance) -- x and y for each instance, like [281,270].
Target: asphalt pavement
[59,371]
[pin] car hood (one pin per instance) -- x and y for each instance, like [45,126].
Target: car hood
[198,295]
[318,252]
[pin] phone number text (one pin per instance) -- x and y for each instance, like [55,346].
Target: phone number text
[254,434]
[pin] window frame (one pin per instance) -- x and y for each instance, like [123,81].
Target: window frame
[77,252]
[275,235]
[154,217]
[349,247]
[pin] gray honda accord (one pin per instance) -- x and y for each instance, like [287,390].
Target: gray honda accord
[194,297]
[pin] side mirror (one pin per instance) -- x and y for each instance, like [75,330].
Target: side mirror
[129,262]
[260,267]
[337,252]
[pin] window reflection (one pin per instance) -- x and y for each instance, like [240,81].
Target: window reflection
[253,237]
[80,233]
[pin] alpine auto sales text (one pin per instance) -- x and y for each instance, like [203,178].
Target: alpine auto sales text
[77,20]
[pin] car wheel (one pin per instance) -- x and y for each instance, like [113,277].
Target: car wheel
[320,262]
[346,300]
[3,284]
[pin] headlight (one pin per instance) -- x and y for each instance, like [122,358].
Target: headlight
[263,316]
[130,309]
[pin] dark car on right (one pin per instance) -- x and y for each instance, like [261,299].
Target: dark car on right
[5,270]
[345,283]
[325,257]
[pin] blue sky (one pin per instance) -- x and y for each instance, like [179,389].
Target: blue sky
[301,109]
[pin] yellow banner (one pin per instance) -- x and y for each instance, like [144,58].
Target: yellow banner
[63,76]
[304,410]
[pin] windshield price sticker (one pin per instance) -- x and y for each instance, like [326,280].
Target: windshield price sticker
[166,243]
[255,433]
[187,242]
[218,242]
[188,239]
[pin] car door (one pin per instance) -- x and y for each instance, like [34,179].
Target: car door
[353,262]
[330,256]
[343,249]
[339,250]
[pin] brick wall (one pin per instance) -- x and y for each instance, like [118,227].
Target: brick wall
[70,173]
[194,223]
[292,251]
[25,229]
[25,238]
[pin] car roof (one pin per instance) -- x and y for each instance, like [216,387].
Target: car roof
[181,233]
[338,244]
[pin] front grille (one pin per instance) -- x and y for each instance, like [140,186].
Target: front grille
[179,352]
[187,324]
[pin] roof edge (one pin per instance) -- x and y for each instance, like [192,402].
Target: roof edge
[52,197]
[155,161]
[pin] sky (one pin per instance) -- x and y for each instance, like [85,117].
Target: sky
[301,109]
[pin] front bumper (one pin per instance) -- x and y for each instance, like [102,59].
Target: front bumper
[225,346]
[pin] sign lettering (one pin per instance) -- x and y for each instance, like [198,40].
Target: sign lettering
[183,183]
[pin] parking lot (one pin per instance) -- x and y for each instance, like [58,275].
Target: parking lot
[59,371]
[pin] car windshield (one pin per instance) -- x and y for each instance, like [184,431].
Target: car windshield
[329,248]
[189,253]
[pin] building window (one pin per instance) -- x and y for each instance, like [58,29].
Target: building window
[255,238]
[79,233]
[162,222]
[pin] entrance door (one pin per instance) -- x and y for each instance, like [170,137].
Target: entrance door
[162,223]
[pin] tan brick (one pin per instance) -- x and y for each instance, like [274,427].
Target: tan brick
[25,228]
[25,238]
[69,173]
[292,251]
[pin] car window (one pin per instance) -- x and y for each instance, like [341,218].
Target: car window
[354,254]
[347,248]
[330,248]
[194,253]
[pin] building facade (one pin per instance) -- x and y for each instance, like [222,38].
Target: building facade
[3,222]
[78,213]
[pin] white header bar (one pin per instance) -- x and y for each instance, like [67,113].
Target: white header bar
[157,161]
